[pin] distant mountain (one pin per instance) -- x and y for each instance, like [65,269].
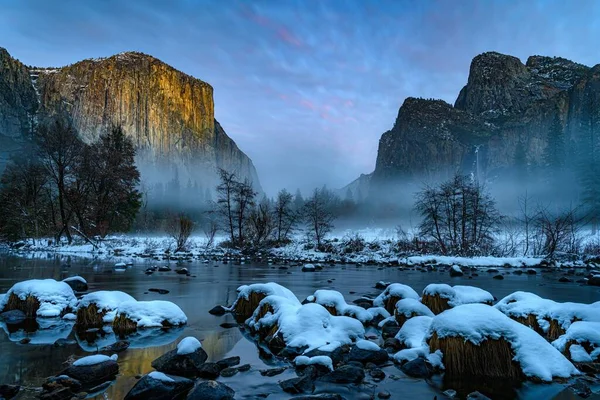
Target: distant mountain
[505,108]
[168,114]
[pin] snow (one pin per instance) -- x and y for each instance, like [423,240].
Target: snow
[410,354]
[367,345]
[409,307]
[395,290]
[412,334]
[148,314]
[478,322]
[459,295]
[69,317]
[309,267]
[317,360]
[332,298]
[269,289]
[188,345]
[473,261]
[54,297]
[106,300]
[522,304]
[309,325]
[159,376]
[456,268]
[75,278]
[581,332]
[93,360]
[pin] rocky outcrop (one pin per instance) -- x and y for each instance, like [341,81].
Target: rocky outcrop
[505,107]
[168,114]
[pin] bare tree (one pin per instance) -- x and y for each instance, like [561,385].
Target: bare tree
[459,215]
[285,215]
[261,222]
[559,230]
[210,228]
[318,214]
[180,229]
[225,203]
[243,198]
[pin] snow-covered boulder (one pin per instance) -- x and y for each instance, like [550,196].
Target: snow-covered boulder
[286,323]
[409,308]
[77,283]
[547,317]
[157,385]
[132,315]
[98,308]
[581,342]
[249,296]
[94,369]
[185,360]
[39,297]
[335,303]
[394,292]
[413,332]
[479,340]
[439,297]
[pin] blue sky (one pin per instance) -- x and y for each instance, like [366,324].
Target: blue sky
[306,87]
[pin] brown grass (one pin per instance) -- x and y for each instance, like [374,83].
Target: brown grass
[401,318]
[586,345]
[244,308]
[491,358]
[90,317]
[436,303]
[123,325]
[555,330]
[530,321]
[390,303]
[332,310]
[29,306]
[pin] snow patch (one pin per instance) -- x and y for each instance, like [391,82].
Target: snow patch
[149,314]
[93,360]
[188,345]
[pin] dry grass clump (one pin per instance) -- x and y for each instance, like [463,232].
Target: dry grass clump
[491,358]
[244,308]
[401,318]
[435,303]
[123,325]
[90,317]
[530,321]
[554,331]
[29,306]
[390,303]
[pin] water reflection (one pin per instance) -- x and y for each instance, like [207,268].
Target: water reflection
[39,331]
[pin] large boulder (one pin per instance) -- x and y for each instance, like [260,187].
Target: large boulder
[187,365]
[93,373]
[159,386]
[211,390]
[345,374]
[365,352]
[417,368]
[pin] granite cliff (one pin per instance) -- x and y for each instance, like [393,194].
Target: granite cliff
[168,114]
[505,104]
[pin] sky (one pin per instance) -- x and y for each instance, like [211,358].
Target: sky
[306,87]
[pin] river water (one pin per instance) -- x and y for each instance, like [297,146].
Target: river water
[216,283]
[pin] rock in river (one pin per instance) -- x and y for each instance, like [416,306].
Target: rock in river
[159,386]
[187,365]
[211,390]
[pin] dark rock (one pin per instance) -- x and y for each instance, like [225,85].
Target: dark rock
[389,330]
[581,389]
[456,272]
[209,370]
[164,268]
[302,384]
[273,371]
[55,382]
[186,365]
[159,389]
[77,285]
[218,310]
[417,368]
[93,374]
[499,277]
[492,270]
[290,352]
[13,317]
[25,340]
[182,271]
[228,362]
[159,291]
[381,285]
[211,390]
[392,344]
[531,272]
[229,372]
[594,280]
[364,356]
[384,394]
[363,302]
[517,272]
[9,391]
[477,396]
[116,347]
[337,355]
[322,396]
[61,393]
[377,374]
[244,368]
[345,374]
[564,279]
[228,325]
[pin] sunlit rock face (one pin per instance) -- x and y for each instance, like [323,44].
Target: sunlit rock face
[168,114]
[505,104]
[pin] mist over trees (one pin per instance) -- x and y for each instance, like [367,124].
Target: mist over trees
[61,185]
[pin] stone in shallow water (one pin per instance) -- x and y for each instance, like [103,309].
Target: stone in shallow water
[209,370]
[273,371]
[159,386]
[228,362]
[364,356]
[302,384]
[93,374]
[218,310]
[322,396]
[417,368]
[477,396]
[345,374]
[186,365]
[229,372]
[211,390]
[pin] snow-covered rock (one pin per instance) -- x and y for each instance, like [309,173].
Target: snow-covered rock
[188,345]
[335,303]
[93,360]
[55,298]
[413,332]
[394,292]
[440,296]
[409,308]
[581,342]
[249,296]
[106,301]
[316,360]
[478,325]
[151,314]
[77,283]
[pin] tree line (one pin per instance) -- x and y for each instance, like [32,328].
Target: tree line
[60,185]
